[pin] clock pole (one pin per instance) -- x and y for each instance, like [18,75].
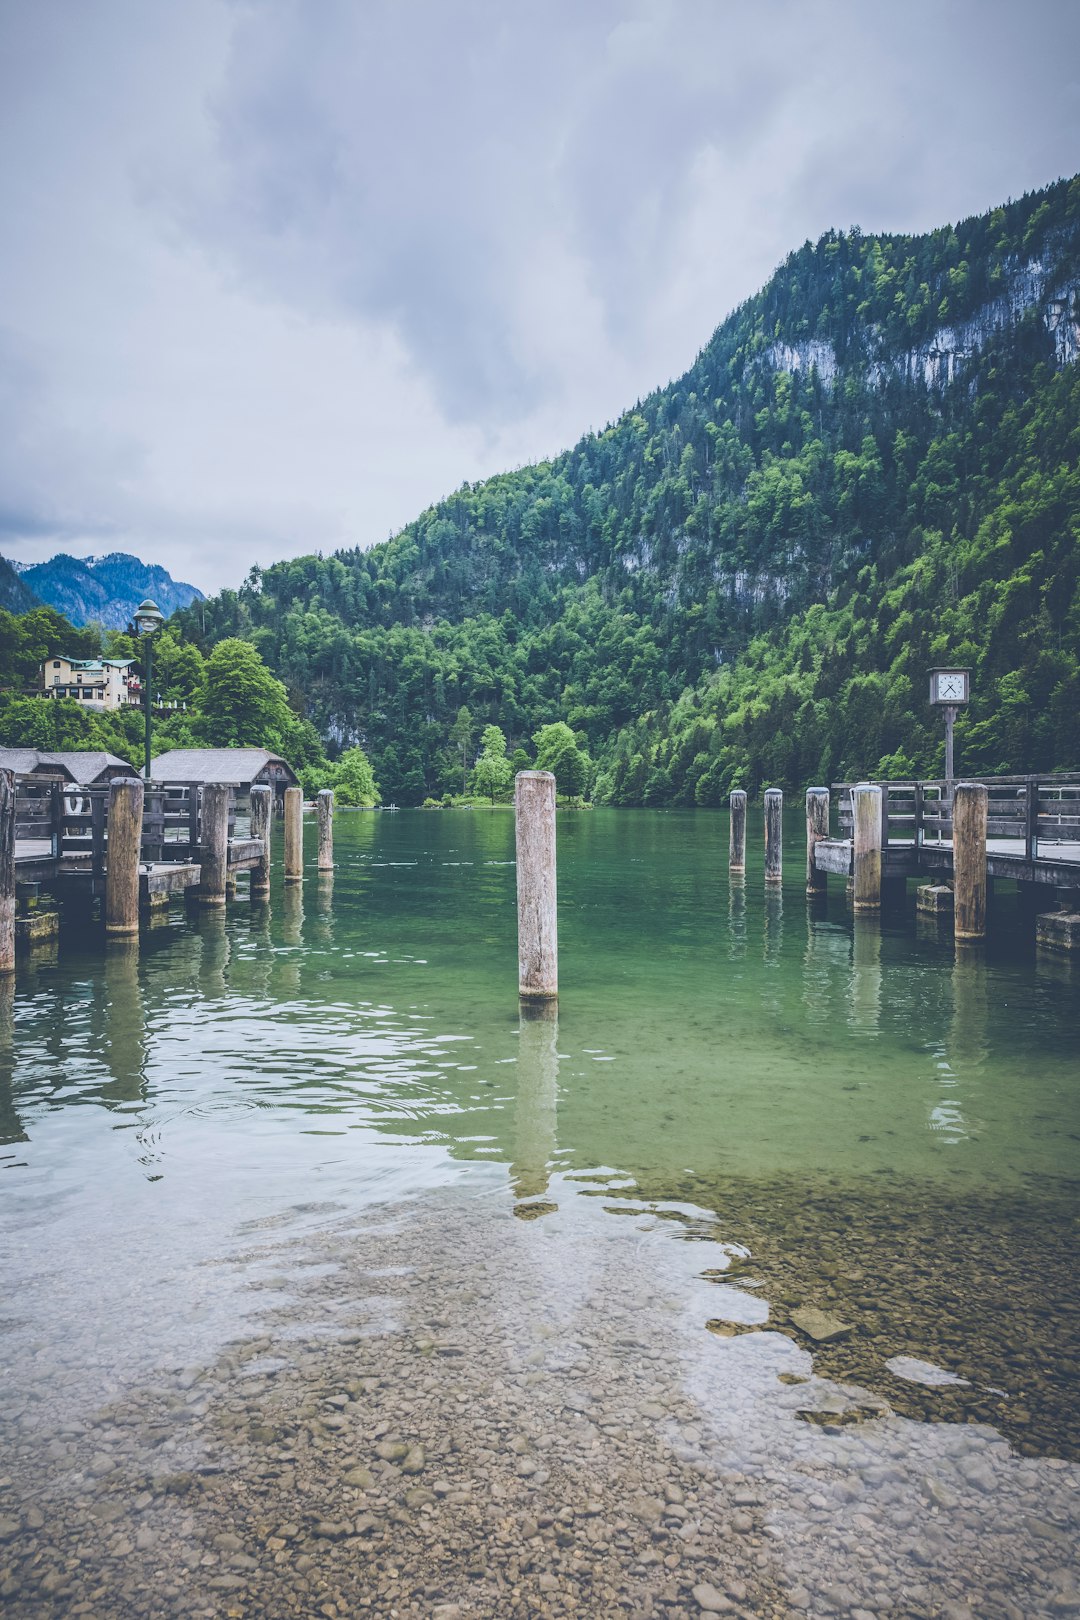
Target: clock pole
[950,716]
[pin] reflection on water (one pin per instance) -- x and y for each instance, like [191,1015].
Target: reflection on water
[842,1116]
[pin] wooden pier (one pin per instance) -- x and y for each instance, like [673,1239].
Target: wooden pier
[959,837]
[166,838]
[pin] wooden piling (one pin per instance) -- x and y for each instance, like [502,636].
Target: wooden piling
[325,804]
[866,847]
[260,829]
[538,941]
[817,828]
[214,843]
[122,852]
[774,835]
[969,860]
[737,835]
[7,872]
[294,835]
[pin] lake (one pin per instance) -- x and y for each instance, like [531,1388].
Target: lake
[746,1284]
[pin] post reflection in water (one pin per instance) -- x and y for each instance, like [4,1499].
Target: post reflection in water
[864,1005]
[536,1109]
[292,936]
[967,1048]
[774,926]
[123,1044]
[215,952]
[324,909]
[736,916]
[11,1126]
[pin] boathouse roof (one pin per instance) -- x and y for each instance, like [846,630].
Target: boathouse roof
[84,766]
[239,767]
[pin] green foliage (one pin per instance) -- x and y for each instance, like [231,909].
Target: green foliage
[350,776]
[494,774]
[558,750]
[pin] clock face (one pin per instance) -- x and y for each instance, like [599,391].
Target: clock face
[950,689]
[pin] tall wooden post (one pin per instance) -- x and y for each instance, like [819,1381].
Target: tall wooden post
[737,836]
[214,844]
[969,860]
[325,803]
[538,939]
[7,872]
[774,835]
[122,855]
[294,835]
[866,846]
[260,829]
[817,828]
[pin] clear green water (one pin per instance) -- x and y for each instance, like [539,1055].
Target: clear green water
[887,1129]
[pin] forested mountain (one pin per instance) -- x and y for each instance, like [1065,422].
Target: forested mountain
[105,590]
[872,467]
[15,595]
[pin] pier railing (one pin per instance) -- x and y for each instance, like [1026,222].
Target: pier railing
[58,820]
[1028,811]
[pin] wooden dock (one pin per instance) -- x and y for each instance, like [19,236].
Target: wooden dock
[167,838]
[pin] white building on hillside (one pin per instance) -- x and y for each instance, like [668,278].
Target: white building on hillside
[100,683]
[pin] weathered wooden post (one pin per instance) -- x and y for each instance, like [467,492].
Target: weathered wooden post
[214,844]
[294,835]
[969,860]
[7,871]
[866,846]
[817,828]
[774,835]
[325,803]
[737,836]
[538,939]
[260,829]
[122,851]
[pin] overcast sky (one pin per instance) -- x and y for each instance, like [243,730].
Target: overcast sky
[277,274]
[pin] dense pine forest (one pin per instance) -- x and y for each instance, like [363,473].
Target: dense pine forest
[873,467]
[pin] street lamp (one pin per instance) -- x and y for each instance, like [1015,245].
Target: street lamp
[148,621]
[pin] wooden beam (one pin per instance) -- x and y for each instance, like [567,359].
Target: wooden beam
[817,828]
[294,835]
[866,846]
[737,834]
[7,872]
[774,835]
[538,937]
[325,806]
[122,851]
[969,860]
[260,831]
[214,844]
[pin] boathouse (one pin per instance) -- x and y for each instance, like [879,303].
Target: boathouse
[240,768]
[85,767]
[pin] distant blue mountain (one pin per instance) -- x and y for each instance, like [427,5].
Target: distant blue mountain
[15,595]
[105,590]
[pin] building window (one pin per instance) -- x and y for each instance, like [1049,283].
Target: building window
[56,663]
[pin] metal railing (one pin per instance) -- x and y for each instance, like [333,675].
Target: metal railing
[1033,811]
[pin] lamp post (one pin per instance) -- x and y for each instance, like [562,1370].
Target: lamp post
[148,621]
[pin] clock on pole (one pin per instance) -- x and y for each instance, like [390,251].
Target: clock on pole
[949,688]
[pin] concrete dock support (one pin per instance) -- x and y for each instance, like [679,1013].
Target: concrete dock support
[866,847]
[538,939]
[122,852]
[737,835]
[214,843]
[7,872]
[325,803]
[969,860]
[817,828]
[774,835]
[260,829]
[294,835]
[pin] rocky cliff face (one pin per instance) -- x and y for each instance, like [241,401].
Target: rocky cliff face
[941,359]
[105,590]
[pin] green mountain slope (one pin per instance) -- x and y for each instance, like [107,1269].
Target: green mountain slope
[871,467]
[15,595]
